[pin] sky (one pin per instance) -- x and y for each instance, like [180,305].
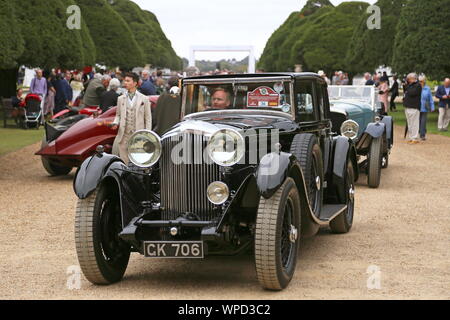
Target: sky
[224,23]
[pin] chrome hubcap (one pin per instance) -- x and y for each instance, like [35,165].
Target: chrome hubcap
[383,163]
[318,184]
[351,194]
[293,234]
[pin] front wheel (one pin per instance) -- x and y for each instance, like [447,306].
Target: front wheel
[102,255]
[277,237]
[50,167]
[375,163]
[344,221]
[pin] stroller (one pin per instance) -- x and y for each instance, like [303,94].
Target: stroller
[33,112]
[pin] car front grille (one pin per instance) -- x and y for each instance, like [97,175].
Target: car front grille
[184,182]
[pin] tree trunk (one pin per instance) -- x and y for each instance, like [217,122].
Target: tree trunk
[8,82]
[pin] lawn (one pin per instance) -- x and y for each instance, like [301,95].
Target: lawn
[12,139]
[400,119]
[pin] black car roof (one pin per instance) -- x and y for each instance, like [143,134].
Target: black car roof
[258,75]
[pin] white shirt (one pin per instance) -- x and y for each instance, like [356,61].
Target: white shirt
[131,100]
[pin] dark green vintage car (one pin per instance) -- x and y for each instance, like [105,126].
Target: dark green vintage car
[356,114]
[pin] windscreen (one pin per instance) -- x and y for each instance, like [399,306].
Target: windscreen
[350,93]
[258,95]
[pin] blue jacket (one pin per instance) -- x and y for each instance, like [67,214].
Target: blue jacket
[439,94]
[148,88]
[427,98]
[64,93]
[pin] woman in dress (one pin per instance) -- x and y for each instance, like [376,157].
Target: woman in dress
[384,95]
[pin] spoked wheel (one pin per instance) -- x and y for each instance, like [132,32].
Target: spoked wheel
[102,255]
[307,150]
[344,221]
[277,237]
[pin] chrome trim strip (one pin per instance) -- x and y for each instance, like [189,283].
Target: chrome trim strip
[274,113]
[236,80]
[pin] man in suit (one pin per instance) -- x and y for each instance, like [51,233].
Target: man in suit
[147,87]
[394,94]
[109,98]
[412,102]
[443,94]
[133,114]
[64,92]
[168,109]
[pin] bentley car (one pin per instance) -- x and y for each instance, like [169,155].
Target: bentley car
[70,141]
[355,115]
[253,166]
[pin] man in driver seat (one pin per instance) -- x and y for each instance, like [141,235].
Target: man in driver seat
[221,99]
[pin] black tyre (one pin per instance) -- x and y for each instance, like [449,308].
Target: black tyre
[344,221]
[277,237]
[374,163]
[307,150]
[102,255]
[50,167]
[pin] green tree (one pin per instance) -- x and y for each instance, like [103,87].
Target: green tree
[317,38]
[11,48]
[277,54]
[157,49]
[11,40]
[371,48]
[114,41]
[422,43]
[49,42]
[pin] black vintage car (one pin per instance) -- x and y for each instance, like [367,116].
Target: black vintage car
[252,166]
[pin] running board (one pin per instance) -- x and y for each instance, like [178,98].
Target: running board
[331,211]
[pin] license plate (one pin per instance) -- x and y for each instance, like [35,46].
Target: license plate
[174,249]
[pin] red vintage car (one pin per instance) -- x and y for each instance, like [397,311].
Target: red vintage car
[70,141]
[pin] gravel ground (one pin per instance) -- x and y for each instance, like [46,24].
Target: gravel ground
[401,230]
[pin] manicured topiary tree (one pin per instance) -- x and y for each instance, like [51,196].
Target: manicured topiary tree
[373,47]
[422,43]
[316,38]
[11,47]
[277,55]
[157,49]
[326,39]
[49,42]
[114,40]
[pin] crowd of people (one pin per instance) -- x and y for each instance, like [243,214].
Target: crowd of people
[60,90]
[418,99]
[76,90]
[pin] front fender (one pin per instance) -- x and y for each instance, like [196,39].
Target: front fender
[341,150]
[376,130]
[91,173]
[272,172]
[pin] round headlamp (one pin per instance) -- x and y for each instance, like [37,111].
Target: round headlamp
[226,147]
[350,129]
[144,148]
[218,193]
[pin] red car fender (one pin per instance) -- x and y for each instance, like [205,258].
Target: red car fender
[81,140]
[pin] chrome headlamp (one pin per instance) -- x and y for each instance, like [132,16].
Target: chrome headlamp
[144,148]
[350,129]
[218,193]
[226,147]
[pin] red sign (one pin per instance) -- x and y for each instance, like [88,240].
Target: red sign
[263,97]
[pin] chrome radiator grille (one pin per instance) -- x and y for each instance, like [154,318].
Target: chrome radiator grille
[184,181]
